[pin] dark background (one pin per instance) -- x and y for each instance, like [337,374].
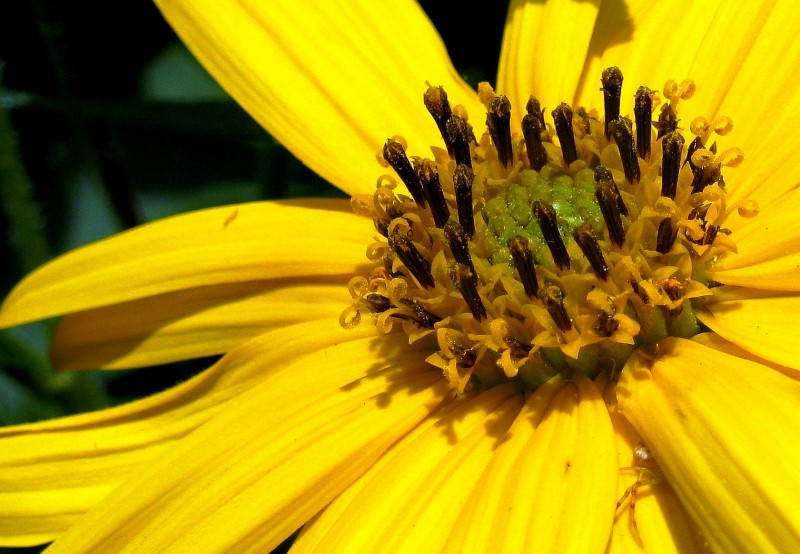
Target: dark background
[107,122]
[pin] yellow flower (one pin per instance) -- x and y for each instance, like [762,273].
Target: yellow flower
[352,434]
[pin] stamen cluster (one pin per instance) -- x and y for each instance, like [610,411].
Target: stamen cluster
[557,249]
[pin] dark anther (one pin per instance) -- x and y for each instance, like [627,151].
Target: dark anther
[465,357]
[413,260]
[553,300]
[382,226]
[523,259]
[518,348]
[458,132]
[467,284]
[395,155]
[435,99]
[424,318]
[612,92]
[562,117]
[643,113]
[429,177]
[699,212]
[603,175]
[498,121]
[585,238]
[672,149]
[623,136]
[546,218]
[694,146]
[459,243]
[667,121]
[606,325]
[535,109]
[666,235]
[703,176]
[711,234]
[532,127]
[607,199]
[378,302]
[462,182]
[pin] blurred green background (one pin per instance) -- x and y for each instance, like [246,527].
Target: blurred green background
[106,122]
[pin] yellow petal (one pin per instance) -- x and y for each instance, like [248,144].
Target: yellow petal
[268,462]
[551,486]
[53,471]
[190,323]
[233,244]
[544,45]
[410,499]
[713,340]
[722,429]
[768,250]
[761,322]
[653,42]
[332,86]
[655,521]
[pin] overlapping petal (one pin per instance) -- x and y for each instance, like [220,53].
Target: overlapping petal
[422,482]
[232,244]
[722,429]
[544,45]
[551,486]
[261,468]
[54,471]
[331,85]
[191,323]
[761,322]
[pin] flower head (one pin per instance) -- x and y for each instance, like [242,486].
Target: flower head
[571,331]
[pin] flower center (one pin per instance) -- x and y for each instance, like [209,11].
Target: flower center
[522,256]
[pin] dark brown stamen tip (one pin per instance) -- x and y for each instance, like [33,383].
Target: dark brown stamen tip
[711,234]
[532,127]
[553,299]
[607,200]
[667,121]
[612,92]
[467,284]
[643,113]
[382,226]
[459,243]
[562,117]
[429,177]
[462,182]
[667,233]
[498,121]
[694,146]
[435,99]
[523,260]
[546,218]
[606,325]
[534,108]
[623,136]
[588,244]
[423,317]
[395,155]
[458,133]
[672,150]
[378,302]
[413,260]
[601,175]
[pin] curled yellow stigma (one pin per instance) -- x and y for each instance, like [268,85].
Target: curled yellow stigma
[558,249]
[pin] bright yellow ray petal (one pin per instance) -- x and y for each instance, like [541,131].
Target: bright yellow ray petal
[722,429]
[332,86]
[271,460]
[411,498]
[713,340]
[768,254]
[552,485]
[53,471]
[544,45]
[653,42]
[662,523]
[232,244]
[761,322]
[191,323]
